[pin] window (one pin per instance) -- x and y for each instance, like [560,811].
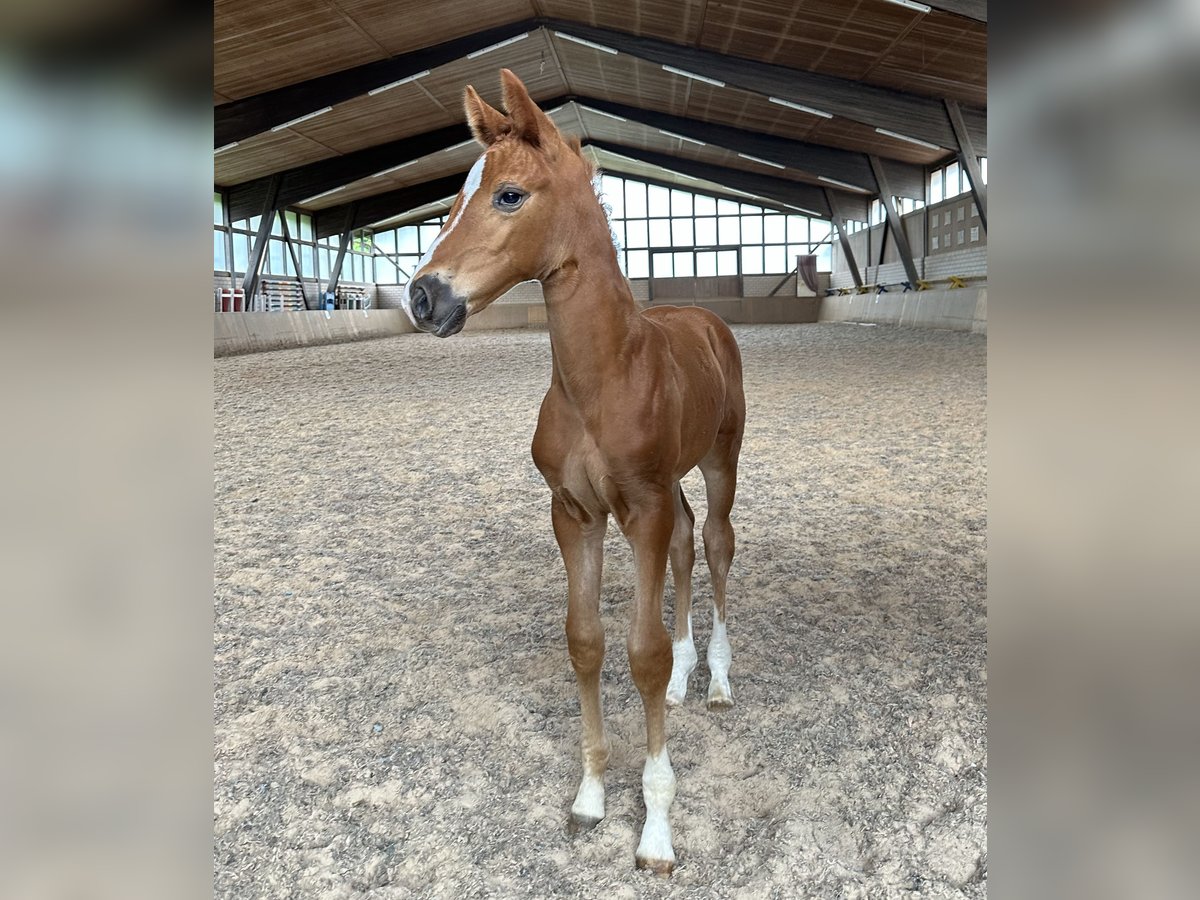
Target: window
[983,169]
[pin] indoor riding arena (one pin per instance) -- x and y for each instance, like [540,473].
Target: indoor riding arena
[397,710]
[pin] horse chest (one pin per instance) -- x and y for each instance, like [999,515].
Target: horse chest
[577,473]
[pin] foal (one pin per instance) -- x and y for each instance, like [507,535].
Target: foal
[636,400]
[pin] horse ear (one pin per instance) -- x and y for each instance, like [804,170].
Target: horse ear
[574,144]
[488,125]
[530,123]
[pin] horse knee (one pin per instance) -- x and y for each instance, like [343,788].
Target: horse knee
[585,643]
[650,658]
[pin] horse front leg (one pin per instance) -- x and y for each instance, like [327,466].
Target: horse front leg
[649,531]
[581,540]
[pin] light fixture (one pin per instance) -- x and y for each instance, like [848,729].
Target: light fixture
[388,87]
[458,145]
[852,187]
[323,194]
[303,118]
[394,168]
[905,137]
[511,40]
[682,137]
[592,44]
[226,147]
[765,162]
[910,4]
[693,76]
[801,107]
[609,115]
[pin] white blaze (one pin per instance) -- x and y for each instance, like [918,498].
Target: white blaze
[474,179]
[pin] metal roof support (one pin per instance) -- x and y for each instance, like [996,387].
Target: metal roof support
[250,279]
[839,222]
[968,159]
[897,227]
[227,221]
[361,213]
[287,240]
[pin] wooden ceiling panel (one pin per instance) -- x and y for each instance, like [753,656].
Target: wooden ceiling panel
[679,21]
[262,45]
[531,59]
[261,155]
[623,79]
[366,120]
[413,24]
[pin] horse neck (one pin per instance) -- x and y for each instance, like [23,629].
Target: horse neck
[590,310]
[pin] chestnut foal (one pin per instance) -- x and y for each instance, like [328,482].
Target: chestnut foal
[636,400]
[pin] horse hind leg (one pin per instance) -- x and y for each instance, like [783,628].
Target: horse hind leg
[683,559]
[720,481]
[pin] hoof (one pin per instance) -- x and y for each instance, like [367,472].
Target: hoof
[675,699]
[720,697]
[577,824]
[657,866]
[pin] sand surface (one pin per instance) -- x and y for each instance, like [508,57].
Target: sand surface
[395,711]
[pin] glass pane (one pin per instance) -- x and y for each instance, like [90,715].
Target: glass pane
[681,232]
[727,208]
[774,229]
[953,189]
[292,223]
[660,232]
[241,252]
[727,262]
[935,187]
[797,229]
[681,203]
[218,219]
[706,263]
[406,240]
[408,265]
[306,260]
[706,231]
[983,169]
[825,259]
[428,234]
[662,265]
[659,201]
[617,229]
[385,272]
[794,250]
[635,200]
[219,251]
[306,232]
[775,260]
[255,221]
[684,264]
[749,209]
[636,234]
[613,196]
[752,260]
[276,227]
[639,263]
[752,229]
[323,256]
[819,229]
[275,258]
[727,230]
[705,206]
[386,241]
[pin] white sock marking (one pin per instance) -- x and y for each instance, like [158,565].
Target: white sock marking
[474,179]
[684,652]
[658,791]
[589,800]
[719,657]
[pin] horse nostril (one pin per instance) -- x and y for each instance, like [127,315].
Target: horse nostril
[421,306]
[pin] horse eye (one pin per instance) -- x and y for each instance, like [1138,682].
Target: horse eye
[509,199]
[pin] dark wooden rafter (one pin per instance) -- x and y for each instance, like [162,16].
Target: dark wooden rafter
[794,194]
[306,181]
[969,160]
[361,213]
[839,222]
[240,119]
[968,9]
[910,114]
[894,223]
[814,159]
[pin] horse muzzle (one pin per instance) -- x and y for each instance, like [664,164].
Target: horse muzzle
[435,307]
